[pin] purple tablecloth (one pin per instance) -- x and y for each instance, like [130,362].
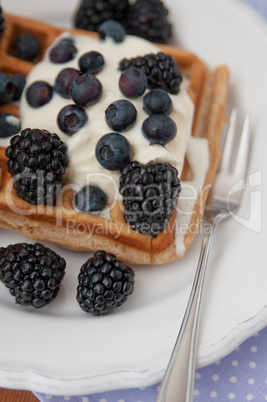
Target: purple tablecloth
[241,376]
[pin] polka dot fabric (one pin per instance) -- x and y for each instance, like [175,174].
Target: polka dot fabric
[241,376]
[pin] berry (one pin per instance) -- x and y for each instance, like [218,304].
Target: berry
[39,94]
[132,82]
[71,118]
[19,81]
[159,129]
[90,198]
[157,101]
[113,151]
[86,90]
[104,283]
[91,63]
[64,80]
[26,47]
[7,89]
[32,273]
[2,22]
[9,125]
[37,161]
[161,71]
[91,13]
[112,29]
[150,194]
[121,115]
[148,19]
[63,52]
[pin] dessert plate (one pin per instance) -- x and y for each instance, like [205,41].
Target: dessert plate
[60,349]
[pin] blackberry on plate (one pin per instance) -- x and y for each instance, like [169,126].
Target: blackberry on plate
[37,161]
[91,13]
[160,69]
[32,273]
[26,47]
[90,198]
[149,19]
[2,22]
[9,125]
[104,283]
[150,194]
[7,89]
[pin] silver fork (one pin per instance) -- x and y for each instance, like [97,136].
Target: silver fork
[178,382]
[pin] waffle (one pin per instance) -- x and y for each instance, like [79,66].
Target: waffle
[64,226]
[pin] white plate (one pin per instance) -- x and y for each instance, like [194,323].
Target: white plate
[61,350]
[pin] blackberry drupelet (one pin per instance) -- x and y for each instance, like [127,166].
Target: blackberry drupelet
[91,14]
[161,71]
[37,163]
[104,283]
[150,194]
[149,19]
[2,22]
[32,273]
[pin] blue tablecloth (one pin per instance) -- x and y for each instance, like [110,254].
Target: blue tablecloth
[241,376]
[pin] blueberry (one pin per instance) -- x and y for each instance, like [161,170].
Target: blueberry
[157,101]
[64,80]
[113,151]
[7,89]
[159,129]
[63,52]
[112,29]
[132,82]
[9,125]
[91,62]
[121,115]
[71,118]
[19,82]
[39,93]
[86,90]
[26,47]
[90,198]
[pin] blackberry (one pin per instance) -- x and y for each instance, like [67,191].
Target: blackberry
[37,162]
[148,19]
[32,273]
[161,71]
[150,194]
[2,22]
[91,14]
[104,283]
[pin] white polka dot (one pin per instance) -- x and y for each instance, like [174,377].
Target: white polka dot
[233,379]
[142,388]
[103,400]
[215,377]
[213,394]
[249,397]
[254,349]
[196,392]
[85,399]
[48,396]
[231,396]
[121,400]
[252,364]
[255,336]
[218,362]
[235,363]
[251,381]
[266,397]
[238,348]
[67,398]
[198,376]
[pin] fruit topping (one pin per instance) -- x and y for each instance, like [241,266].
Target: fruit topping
[160,69]
[121,115]
[26,47]
[91,62]
[9,125]
[90,198]
[19,81]
[148,19]
[63,52]
[71,118]
[39,94]
[150,194]
[37,161]
[2,22]
[63,81]
[32,273]
[132,82]
[86,90]
[113,151]
[112,29]
[157,101]
[7,89]
[104,283]
[159,129]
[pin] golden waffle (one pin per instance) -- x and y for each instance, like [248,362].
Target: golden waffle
[66,227]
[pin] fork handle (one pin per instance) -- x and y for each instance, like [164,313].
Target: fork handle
[178,382]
